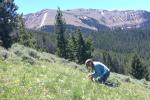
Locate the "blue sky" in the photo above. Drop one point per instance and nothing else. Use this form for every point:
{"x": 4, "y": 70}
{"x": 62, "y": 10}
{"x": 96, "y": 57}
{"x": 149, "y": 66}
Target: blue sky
{"x": 30, "y": 6}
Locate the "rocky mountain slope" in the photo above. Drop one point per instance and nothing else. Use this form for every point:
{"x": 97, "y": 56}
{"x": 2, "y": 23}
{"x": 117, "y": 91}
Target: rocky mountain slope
{"x": 92, "y": 19}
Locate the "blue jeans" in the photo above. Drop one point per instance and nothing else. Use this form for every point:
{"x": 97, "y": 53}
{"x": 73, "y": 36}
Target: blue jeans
{"x": 104, "y": 77}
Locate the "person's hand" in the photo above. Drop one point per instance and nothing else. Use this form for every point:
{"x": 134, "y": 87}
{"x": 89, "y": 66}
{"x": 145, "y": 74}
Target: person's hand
{"x": 90, "y": 76}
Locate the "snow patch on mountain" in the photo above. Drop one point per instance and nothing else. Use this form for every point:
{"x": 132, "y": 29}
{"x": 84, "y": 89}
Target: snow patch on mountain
{"x": 43, "y": 20}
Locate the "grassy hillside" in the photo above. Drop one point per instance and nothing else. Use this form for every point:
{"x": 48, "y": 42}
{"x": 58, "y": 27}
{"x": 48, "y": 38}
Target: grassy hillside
{"x": 26, "y": 74}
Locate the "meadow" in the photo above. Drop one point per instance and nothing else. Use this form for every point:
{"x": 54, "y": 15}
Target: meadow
{"x": 26, "y": 74}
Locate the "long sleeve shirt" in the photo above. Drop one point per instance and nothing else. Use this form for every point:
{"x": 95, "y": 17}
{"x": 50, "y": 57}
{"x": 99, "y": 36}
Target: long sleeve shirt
{"x": 99, "y": 69}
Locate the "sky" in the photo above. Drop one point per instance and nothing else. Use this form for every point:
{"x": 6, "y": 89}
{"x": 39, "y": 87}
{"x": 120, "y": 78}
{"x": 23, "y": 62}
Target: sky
{"x": 32, "y": 6}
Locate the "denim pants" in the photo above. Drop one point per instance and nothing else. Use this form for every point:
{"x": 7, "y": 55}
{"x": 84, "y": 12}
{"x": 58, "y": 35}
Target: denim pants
{"x": 104, "y": 77}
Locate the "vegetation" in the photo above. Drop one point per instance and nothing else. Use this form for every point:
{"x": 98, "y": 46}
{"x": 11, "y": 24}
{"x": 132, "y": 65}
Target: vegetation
{"x": 28, "y": 74}
{"x": 60, "y": 31}
{"x": 8, "y": 16}
{"x": 84, "y": 48}
{"x": 72, "y": 48}
{"x": 113, "y": 63}
{"x": 139, "y": 71}
{"x": 124, "y": 41}
{"x": 45, "y": 41}
{"x": 12, "y": 26}
{"x": 25, "y": 37}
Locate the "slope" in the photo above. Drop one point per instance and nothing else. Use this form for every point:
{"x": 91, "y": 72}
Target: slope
{"x": 30, "y": 75}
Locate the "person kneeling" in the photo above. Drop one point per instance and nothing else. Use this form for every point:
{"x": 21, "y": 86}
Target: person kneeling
{"x": 100, "y": 72}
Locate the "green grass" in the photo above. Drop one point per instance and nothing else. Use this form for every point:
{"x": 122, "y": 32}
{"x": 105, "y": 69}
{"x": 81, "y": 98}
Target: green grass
{"x": 43, "y": 76}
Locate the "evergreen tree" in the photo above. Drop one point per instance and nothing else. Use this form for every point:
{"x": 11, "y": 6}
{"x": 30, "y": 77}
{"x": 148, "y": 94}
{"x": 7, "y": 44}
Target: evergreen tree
{"x": 107, "y": 59}
{"x": 26, "y": 38}
{"x": 147, "y": 76}
{"x": 89, "y": 47}
{"x": 43, "y": 44}
{"x": 81, "y": 48}
{"x": 72, "y": 48}
{"x": 60, "y": 31}
{"x": 117, "y": 66}
{"x": 139, "y": 71}
{"x": 33, "y": 42}
{"x": 113, "y": 63}
{"x": 8, "y": 16}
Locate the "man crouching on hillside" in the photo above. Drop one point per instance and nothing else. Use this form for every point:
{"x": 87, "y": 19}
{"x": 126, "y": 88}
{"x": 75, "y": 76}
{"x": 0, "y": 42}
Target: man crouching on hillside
{"x": 100, "y": 72}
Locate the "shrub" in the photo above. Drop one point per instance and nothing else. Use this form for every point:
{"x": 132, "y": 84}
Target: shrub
{"x": 18, "y": 52}
{"x": 29, "y": 60}
{"x": 4, "y": 54}
{"x": 46, "y": 57}
{"x": 139, "y": 70}
{"x": 128, "y": 79}
{"x": 34, "y": 54}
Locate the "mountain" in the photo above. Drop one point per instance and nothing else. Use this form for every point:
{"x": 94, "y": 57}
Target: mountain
{"x": 26, "y": 74}
{"x": 92, "y": 19}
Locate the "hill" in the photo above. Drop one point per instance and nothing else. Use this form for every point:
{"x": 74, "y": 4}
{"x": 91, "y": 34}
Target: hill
{"x": 28, "y": 74}
{"x": 89, "y": 19}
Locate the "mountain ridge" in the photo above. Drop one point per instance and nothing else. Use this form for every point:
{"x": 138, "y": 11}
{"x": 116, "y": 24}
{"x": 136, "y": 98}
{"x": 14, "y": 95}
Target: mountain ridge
{"x": 93, "y": 19}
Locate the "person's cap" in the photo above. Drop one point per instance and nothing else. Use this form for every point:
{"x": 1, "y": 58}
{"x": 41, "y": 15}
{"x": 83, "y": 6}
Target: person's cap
{"x": 88, "y": 60}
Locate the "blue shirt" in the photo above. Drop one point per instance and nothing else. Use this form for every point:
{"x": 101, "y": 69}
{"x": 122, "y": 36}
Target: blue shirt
{"x": 99, "y": 69}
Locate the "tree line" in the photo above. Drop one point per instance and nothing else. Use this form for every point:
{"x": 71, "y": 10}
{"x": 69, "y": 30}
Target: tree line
{"x": 135, "y": 67}
{"x": 117, "y": 49}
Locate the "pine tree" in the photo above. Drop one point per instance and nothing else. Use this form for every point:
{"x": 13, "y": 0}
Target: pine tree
{"x": 33, "y": 42}
{"x": 26, "y": 38}
{"x": 72, "y": 48}
{"x": 117, "y": 66}
{"x": 8, "y": 23}
{"x": 89, "y": 47}
{"x": 60, "y": 31}
{"x": 81, "y": 48}
{"x": 138, "y": 71}
{"x": 147, "y": 76}
{"x": 107, "y": 59}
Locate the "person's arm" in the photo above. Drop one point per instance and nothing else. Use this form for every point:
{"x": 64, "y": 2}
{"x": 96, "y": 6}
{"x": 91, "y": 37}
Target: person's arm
{"x": 99, "y": 72}
{"x": 105, "y": 70}
{"x": 95, "y": 77}
{"x": 89, "y": 76}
